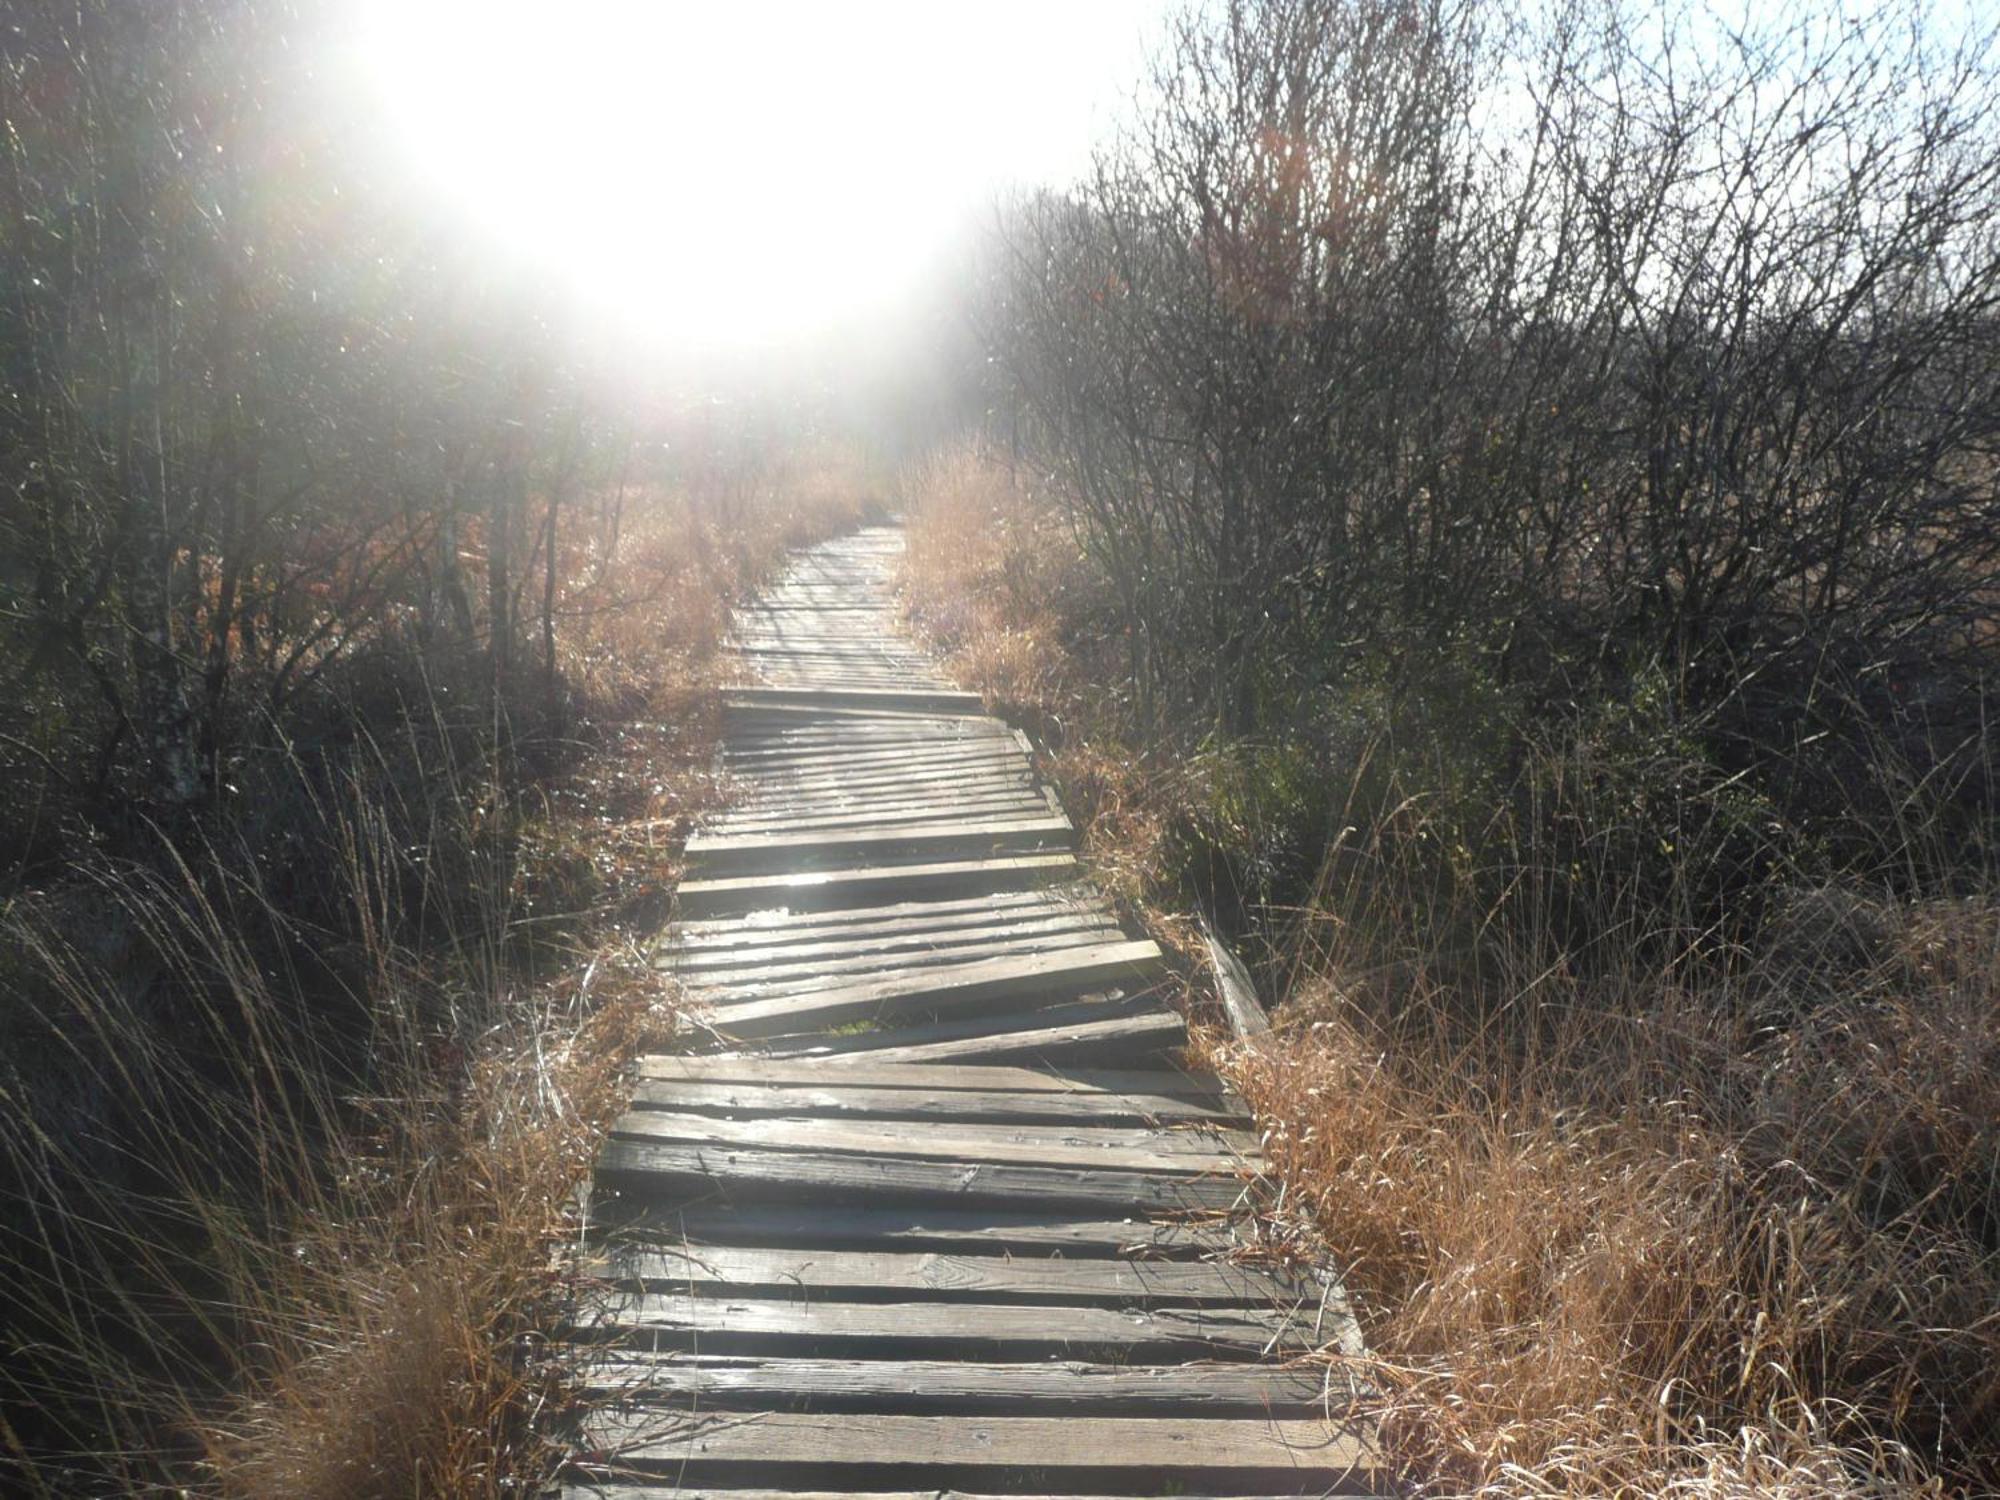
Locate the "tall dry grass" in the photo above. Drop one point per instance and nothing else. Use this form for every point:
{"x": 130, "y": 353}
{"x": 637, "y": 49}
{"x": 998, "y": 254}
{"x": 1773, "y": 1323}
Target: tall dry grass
{"x": 1634, "y": 1198}
{"x": 295, "y": 1116}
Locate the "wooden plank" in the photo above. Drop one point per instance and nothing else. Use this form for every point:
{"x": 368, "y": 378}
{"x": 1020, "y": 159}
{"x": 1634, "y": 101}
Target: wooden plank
{"x": 1072, "y": 1387}
{"x": 702, "y": 1448}
{"x": 862, "y": 1073}
{"x": 981, "y": 1330}
{"x": 768, "y": 792}
{"x": 1180, "y": 1152}
{"x": 754, "y": 1100}
{"x": 940, "y": 937}
{"x": 775, "y": 761}
{"x": 855, "y": 1274}
{"x": 1019, "y": 1039}
{"x": 778, "y": 715}
{"x": 879, "y": 1042}
{"x": 824, "y": 888}
{"x": 749, "y": 1173}
{"x": 966, "y": 731}
{"x": 612, "y": 1491}
{"x": 1239, "y": 993}
{"x": 991, "y": 807}
{"x": 950, "y": 988}
{"x": 753, "y": 853}
{"x": 953, "y": 1229}
{"x": 738, "y": 985}
{"x": 864, "y": 921}
{"x": 931, "y": 702}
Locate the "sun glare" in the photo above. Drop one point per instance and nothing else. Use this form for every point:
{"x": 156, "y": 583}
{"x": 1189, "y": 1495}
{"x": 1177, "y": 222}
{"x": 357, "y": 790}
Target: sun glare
{"x": 735, "y": 175}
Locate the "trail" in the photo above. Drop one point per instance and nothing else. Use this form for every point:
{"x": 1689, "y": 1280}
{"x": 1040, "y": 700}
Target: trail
{"x": 935, "y": 1209}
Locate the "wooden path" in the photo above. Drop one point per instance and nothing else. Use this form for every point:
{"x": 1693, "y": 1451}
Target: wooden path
{"x": 934, "y": 1210}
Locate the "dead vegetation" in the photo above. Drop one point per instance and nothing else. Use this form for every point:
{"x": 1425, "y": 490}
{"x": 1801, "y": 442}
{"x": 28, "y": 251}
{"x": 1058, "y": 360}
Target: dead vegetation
{"x": 296, "y": 1139}
{"x": 1672, "y": 1215}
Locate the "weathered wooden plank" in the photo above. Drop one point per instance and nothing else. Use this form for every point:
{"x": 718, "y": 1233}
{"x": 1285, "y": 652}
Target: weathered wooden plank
{"x": 775, "y": 761}
{"x": 1187, "y": 1152}
{"x": 764, "y": 927}
{"x": 1239, "y": 993}
{"x": 753, "y": 853}
{"x": 793, "y": 791}
{"x": 922, "y": 805}
{"x": 944, "y": 988}
{"x": 932, "y": 702}
{"x": 751, "y": 1100}
{"x": 864, "y": 1073}
{"x": 952, "y": 1229}
{"x": 857, "y": 1274}
{"x": 889, "y": 738}
{"x": 736, "y": 986}
{"x": 823, "y": 888}
{"x": 983, "y": 1330}
{"x": 893, "y": 945}
{"x": 990, "y": 807}
{"x": 1018, "y": 1038}
{"x": 1071, "y": 1387}
{"x": 750, "y": 1173}
{"x": 613, "y": 1491}
{"x": 702, "y": 1448}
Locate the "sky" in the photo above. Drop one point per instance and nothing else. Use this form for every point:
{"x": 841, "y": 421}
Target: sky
{"x": 727, "y": 175}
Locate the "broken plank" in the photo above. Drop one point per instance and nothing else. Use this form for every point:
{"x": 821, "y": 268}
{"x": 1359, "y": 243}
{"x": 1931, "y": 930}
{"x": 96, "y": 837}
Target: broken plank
{"x": 951, "y": 987}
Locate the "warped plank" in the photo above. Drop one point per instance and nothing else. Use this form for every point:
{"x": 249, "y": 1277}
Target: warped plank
{"x": 951, "y": 987}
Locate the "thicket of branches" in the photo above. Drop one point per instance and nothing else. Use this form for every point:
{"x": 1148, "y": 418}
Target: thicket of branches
{"x": 343, "y": 592}
{"x": 256, "y": 421}
{"x": 1598, "y": 349}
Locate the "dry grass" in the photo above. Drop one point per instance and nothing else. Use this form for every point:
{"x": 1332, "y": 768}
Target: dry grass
{"x": 1681, "y": 1226}
{"x": 330, "y": 1267}
{"x": 998, "y": 583}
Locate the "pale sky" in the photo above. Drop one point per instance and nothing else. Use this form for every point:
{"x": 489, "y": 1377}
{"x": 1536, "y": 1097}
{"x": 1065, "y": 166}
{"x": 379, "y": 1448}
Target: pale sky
{"x": 729, "y": 175}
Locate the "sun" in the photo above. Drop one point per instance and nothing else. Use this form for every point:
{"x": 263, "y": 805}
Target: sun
{"x": 734, "y": 175}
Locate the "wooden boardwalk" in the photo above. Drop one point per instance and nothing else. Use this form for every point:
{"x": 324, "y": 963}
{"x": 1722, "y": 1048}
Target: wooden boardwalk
{"x": 934, "y": 1210}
